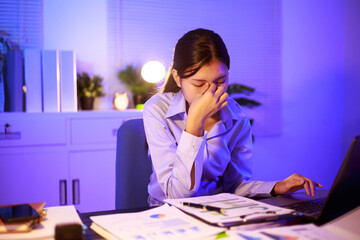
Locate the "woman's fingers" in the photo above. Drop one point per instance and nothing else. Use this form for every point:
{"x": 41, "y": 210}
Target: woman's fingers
{"x": 223, "y": 104}
{"x": 306, "y": 187}
{"x": 309, "y": 185}
{"x": 206, "y": 88}
{"x": 312, "y": 187}
{"x": 223, "y": 98}
{"x": 212, "y": 88}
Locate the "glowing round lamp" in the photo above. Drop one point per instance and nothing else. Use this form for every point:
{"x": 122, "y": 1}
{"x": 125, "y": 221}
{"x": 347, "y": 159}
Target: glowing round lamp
{"x": 153, "y": 71}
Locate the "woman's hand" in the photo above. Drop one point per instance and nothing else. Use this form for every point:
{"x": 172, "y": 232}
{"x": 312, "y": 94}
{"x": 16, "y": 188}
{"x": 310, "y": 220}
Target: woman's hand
{"x": 204, "y": 106}
{"x": 294, "y": 183}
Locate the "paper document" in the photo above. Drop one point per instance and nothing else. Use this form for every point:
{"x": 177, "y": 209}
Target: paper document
{"x": 46, "y": 228}
{"x": 163, "y": 222}
{"x": 297, "y": 232}
{"x": 233, "y": 209}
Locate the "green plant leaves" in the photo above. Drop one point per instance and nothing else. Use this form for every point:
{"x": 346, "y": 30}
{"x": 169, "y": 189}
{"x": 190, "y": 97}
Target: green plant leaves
{"x": 242, "y": 89}
{"x": 131, "y": 77}
{"x": 89, "y": 86}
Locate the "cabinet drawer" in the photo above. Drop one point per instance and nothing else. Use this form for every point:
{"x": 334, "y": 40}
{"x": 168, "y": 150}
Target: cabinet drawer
{"x": 94, "y": 130}
{"x": 32, "y": 131}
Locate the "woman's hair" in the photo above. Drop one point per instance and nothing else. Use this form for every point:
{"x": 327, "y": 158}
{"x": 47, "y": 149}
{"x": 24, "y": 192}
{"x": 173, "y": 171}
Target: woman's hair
{"x": 194, "y": 50}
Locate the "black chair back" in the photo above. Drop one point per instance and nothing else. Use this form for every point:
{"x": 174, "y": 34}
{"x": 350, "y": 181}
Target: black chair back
{"x": 133, "y": 166}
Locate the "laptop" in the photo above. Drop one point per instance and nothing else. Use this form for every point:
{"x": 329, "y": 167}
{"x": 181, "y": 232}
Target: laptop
{"x": 343, "y": 196}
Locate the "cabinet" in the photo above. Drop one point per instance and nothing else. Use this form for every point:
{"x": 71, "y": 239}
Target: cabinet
{"x": 60, "y": 158}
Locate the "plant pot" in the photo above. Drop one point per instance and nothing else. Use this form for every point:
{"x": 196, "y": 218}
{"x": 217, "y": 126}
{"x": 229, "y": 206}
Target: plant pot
{"x": 87, "y": 103}
{"x": 138, "y": 99}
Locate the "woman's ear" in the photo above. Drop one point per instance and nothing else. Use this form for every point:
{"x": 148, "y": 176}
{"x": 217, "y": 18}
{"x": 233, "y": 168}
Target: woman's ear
{"x": 176, "y": 77}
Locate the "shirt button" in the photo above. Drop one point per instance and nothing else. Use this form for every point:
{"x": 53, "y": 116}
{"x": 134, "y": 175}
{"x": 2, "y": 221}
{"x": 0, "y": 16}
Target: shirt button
{"x": 195, "y": 147}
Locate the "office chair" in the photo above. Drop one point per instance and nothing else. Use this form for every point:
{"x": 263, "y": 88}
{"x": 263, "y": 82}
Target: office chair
{"x": 133, "y": 166}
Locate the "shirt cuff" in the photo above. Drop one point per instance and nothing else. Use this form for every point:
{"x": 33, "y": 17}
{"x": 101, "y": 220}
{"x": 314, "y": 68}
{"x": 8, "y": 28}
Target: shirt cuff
{"x": 265, "y": 188}
{"x": 255, "y": 189}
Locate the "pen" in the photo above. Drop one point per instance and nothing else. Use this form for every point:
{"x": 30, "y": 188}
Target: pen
{"x": 206, "y": 208}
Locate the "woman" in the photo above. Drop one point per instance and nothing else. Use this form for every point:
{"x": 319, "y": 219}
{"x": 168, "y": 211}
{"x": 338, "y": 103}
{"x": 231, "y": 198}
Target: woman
{"x": 200, "y": 139}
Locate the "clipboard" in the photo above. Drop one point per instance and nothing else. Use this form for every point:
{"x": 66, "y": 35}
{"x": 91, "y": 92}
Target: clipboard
{"x": 226, "y": 210}
{"x": 25, "y": 226}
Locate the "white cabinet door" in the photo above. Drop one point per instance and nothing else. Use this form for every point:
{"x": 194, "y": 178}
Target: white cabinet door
{"x": 95, "y": 173}
{"x": 32, "y": 177}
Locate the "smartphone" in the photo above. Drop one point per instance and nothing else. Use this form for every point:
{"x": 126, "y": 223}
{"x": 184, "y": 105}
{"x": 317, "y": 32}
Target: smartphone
{"x": 18, "y": 213}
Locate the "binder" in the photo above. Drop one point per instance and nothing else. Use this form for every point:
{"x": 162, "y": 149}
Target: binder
{"x": 50, "y": 81}
{"x": 68, "y": 89}
{"x": 13, "y": 84}
{"x": 32, "y": 72}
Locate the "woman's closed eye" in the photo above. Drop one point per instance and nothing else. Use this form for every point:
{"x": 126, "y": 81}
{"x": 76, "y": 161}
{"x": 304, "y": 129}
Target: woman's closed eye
{"x": 220, "y": 82}
{"x": 198, "y": 84}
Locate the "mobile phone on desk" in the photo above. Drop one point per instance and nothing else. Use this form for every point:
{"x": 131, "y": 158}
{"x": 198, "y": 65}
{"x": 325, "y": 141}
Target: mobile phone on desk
{"x": 18, "y": 213}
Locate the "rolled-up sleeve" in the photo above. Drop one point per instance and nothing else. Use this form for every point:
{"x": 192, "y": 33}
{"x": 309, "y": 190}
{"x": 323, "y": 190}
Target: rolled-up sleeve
{"x": 172, "y": 161}
{"x": 239, "y": 170}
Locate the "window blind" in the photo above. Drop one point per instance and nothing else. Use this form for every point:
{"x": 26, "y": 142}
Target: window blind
{"x": 22, "y": 21}
{"x": 251, "y": 30}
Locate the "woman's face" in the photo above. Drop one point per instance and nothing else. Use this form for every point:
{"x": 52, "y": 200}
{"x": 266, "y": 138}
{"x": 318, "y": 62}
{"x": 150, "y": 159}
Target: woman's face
{"x": 215, "y": 72}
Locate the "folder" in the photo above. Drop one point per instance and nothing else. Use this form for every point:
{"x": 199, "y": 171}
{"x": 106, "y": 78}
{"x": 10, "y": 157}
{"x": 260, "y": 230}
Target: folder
{"x": 32, "y": 72}
{"x": 14, "y": 93}
{"x": 68, "y": 89}
{"x": 50, "y": 81}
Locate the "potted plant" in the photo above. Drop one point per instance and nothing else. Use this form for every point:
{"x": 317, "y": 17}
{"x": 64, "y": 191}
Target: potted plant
{"x": 235, "y": 88}
{"x": 237, "y": 92}
{"x": 88, "y": 88}
{"x": 140, "y": 89}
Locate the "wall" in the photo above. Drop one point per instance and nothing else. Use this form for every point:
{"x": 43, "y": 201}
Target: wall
{"x": 313, "y": 95}
{"x": 80, "y": 26}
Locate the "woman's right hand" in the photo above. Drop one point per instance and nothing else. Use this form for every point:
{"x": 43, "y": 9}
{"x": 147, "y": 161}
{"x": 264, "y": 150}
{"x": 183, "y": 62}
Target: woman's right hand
{"x": 204, "y": 106}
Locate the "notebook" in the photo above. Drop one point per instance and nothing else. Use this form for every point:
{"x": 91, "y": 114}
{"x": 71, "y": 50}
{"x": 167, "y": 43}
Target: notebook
{"x": 343, "y": 196}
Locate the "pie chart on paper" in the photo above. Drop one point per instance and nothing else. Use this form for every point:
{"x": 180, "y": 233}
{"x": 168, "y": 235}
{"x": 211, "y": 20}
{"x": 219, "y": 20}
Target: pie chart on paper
{"x": 158, "y": 216}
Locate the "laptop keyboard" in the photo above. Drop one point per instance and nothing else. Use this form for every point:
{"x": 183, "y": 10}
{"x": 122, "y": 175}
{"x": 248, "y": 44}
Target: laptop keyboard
{"x": 310, "y": 207}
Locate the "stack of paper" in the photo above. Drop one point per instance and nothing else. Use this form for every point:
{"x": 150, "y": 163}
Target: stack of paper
{"x": 297, "y": 232}
{"x": 235, "y": 209}
{"x": 163, "y": 222}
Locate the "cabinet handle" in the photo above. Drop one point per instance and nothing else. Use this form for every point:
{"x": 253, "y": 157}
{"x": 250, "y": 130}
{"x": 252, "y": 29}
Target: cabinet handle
{"x": 8, "y": 135}
{"x": 76, "y": 191}
{"x": 63, "y": 195}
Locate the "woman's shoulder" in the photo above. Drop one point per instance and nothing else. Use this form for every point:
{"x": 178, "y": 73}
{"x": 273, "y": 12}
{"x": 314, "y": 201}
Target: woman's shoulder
{"x": 159, "y": 103}
{"x": 235, "y": 108}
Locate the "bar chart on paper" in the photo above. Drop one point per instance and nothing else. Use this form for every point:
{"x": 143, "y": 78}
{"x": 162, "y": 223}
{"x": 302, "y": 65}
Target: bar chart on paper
{"x": 234, "y": 209}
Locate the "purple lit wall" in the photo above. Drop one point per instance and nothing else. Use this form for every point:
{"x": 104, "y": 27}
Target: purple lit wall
{"x": 320, "y": 84}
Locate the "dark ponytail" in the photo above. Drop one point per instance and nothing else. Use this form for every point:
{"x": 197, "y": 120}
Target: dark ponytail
{"x": 194, "y": 50}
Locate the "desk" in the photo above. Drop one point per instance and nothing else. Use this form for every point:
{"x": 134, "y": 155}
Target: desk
{"x": 90, "y": 234}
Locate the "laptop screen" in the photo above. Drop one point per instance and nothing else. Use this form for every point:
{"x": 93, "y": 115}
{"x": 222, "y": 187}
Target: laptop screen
{"x": 345, "y": 191}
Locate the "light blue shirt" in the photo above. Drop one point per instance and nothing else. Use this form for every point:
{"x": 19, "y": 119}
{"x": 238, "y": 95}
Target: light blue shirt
{"x": 222, "y": 156}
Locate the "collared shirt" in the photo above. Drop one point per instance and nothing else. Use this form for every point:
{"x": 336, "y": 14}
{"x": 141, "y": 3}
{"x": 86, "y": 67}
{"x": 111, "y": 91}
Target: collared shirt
{"x": 222, "y": 157}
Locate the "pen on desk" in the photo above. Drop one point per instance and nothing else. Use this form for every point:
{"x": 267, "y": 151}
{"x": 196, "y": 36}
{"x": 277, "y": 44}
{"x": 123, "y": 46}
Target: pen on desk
{"x": 206, "y": 208}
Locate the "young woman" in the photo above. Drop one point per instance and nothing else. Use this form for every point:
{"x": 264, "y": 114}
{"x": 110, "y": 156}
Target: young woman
{"x": 200, "y": 139}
